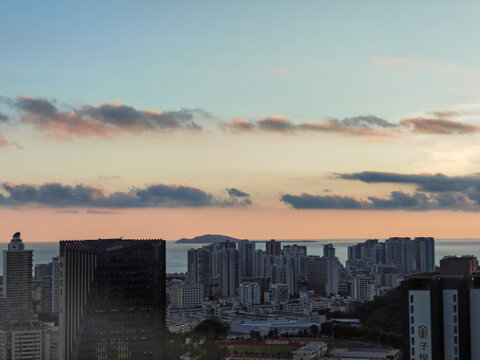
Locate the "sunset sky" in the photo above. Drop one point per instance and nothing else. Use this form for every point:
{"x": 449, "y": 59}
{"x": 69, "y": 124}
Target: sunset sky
{"x": 254, "y": 119}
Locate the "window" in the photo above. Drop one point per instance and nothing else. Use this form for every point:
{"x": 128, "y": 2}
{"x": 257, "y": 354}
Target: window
{"x": 454, "y": 319}
{"x": 411, "y": 309}
{"x": 411, "y": 299}
{"x": 411, "y": 320}
{"x": 454, "y": 298}
{"x": 454, "y": 308}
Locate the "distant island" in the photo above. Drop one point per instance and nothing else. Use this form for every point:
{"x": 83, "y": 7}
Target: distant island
{"x": 212, "y": 239}
{"x": 207, "y": 239}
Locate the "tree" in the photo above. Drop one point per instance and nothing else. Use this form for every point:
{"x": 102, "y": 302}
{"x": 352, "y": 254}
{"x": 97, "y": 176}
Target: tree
{"x": 256, "y": 336}
{"x": 314, "y": 330}
{"x": 212, "y": 329}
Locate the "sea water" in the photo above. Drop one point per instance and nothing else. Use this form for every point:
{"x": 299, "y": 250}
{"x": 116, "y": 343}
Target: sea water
{"x": 176, "y": 255}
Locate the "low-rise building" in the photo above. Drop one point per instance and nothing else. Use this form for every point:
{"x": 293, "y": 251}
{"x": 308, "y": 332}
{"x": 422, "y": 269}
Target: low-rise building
{"x": 284, "y": 325}
{"x": 22, "y": 337}
{"x": 186, "y": 296}
{"x": 365, "y": 354}
{"x": 249, "y": 293}
{"x": 311, "y": 351}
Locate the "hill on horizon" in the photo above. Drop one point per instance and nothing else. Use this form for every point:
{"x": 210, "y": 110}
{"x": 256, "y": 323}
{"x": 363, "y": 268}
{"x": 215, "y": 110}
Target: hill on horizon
{"x": 207, "y": 239}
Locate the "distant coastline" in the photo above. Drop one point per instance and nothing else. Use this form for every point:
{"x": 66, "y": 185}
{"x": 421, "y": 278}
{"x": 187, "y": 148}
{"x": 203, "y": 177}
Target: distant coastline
{"x": 212, "y": 239}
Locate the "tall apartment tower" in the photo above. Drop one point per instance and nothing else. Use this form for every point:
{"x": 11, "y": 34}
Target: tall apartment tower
{"x": 246, "y": 251}
{"x": 17, "y": 274}
{"x": 112, "y": 299}
{"x": 323, "y": 275}
{"x": 199, "y": 268}
{"x": 273, "y": 248}
{"x": 424, "y": 253}
{"x": 229, "y": 272}
{"x": 47, "y": 275}
{"x": 328, "y": 251}
{"x": 400, "y": 252}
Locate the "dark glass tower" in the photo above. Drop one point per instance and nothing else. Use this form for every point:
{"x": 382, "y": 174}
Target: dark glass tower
{"x": 112, "y": 299}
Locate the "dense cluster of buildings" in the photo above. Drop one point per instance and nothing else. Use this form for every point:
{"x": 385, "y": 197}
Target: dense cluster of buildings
{"x": 244, "y": 285}
{"x": 277, "y": 274}
{"x": 99, "y": 299}
{"x": 107, "y": 298}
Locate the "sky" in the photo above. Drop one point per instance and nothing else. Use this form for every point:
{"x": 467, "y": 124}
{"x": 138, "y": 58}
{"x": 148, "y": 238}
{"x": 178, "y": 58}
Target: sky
{"x": 254, "y": 119}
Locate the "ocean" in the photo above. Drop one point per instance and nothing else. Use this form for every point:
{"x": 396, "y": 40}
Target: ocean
{"x": 177, "y": 253}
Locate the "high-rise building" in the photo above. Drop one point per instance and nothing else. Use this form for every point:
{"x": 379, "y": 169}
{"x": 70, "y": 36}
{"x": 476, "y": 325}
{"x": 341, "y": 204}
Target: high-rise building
{"x": 199, "y": 268}
{"x": 47, "y": 276}
{"x": 260, "y": 263}
{"x": 400, "y": 252}
{"x": 441, "y": 316}
{"x": 112, "y": 299}
{"x": 273, "y": 248}
{"x": 424, "y": 253}
{"x": 17, "y": 274}
{"x": 323, "y": 275}
{"x": 184, "y": 296}
{"x": 328, "y": 251}
{"x": 246, "y": 250}
{"x": 229, "y": 272}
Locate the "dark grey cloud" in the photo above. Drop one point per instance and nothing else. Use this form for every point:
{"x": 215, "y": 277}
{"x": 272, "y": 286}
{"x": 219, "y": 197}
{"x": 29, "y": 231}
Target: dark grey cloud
{"x": 103, "y": 120}
{"x": 366, "y": 125}
{"x": 37, "y": 106}
{"x": 157, "y": 195}
{"x": 3, "y": 118}
{"x": 276, "y": 124}
{"x": 432, "y": 192}
{"x": 367, "y": 121}
{"x": 396, "y": 200}
{"x": 238, "y": 197}
{"x": 308, "y": 201}
{"x": 424, "y": 182}
{"x": 125, "y": 116}
{"x": 236, "y": 193}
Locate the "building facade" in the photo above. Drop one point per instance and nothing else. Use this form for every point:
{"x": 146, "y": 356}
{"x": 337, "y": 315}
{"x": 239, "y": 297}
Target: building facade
{"x": 184, "y": 296}
{"x": 17, "y": 274}
{"x": 112, "y": 299}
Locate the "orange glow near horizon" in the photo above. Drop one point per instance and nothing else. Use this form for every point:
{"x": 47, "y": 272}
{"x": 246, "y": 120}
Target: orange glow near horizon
{"x": 255, "y": 224}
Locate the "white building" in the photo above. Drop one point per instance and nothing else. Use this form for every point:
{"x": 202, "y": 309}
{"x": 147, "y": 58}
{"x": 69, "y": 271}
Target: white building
{"x": 279, "y": 293}
{"x": 284, "y": 325}
{"x": 249, "y": 293}
{"x": 363, "y": 287}
{"x": 311, "y": 351}
{"x": 186, "y": 296}
{"x": 22, "y": 337}
{"x": 365, "y": 354}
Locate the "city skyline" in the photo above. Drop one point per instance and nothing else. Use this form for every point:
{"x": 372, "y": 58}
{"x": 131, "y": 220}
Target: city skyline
{"x": 255, "y": 120}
